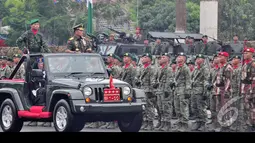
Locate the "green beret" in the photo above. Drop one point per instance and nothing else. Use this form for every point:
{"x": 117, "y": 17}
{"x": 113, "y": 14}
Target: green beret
{"x": 10, "y": 59}
{"x": 236, "y": 57}
{"x": 147, "y": 55}
{"x": 181, "y": 54}
{"x": 128, "y": 55}
{"x": 78, "y": 27}
{"x": 191, "y": 62}
{"x": 17, "y": 56}
{"x": 200, "y": 56}
{"x": 33, "y": 21}
{"x": 165, "y": 54}
{"x": 3, "y": 58}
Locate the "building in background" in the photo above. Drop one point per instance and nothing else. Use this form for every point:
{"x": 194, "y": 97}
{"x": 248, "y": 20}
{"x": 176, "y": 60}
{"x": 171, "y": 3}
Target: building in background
{"x": 209, "y": 18}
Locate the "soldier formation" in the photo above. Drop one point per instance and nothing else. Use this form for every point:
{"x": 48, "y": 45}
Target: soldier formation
{"x": 174, "y": 89}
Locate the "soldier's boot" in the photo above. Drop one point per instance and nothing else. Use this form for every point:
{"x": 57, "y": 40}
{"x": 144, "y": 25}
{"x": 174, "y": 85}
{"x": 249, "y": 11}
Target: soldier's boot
{"x": 202, "y": 127}
{"x": 177, "y": 126}
{"x": 167, "y": 127}
{"x": 161, "y": 126}
{"x": 149, "y": 126}
{"x": 32, "y": 124}
{"x": 110, "y": 126}
{"x": 101, "y": 124}
{"x": 105, "y": 125}
{"x": 158, "y": 125}
{"x": 144, "y": 125}
{"x": 195, "y": 126}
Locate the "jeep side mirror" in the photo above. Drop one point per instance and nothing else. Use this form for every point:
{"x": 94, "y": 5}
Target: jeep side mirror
{"x": 37, "y": 73}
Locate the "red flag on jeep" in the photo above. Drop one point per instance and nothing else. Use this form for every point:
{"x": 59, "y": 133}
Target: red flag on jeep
{"x": 111, "y": 83}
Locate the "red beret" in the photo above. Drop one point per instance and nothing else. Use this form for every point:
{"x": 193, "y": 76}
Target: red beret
{"x": 225, "y": 54}
{"x": 249, "y": 50}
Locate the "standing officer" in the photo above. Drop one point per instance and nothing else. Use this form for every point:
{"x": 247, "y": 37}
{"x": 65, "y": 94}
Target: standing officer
{"x": 182, "y": 84}
{"x": 247, "y": 88}
{"x": 128, "y": 69}
{"x": 144, "y": 79}
{"x": 161, "y": 82}
{"x": 235, "y": 86}
{"x": 200, "y": 84}
{"x": 33, "y": 40}
{"x": 224, "y": 81}
{"x": 78, "y": 43}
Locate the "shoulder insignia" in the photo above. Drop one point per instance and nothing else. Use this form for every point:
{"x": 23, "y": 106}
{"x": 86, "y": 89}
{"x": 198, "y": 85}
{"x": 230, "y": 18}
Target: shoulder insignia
{"x": 70, "y": 38}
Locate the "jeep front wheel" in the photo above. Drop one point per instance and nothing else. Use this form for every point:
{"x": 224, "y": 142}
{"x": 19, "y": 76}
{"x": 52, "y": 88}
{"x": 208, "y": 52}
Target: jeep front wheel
{"x": 9, "y": 121}
{"x": 131, "y": 123}
{"x": 64, "y": 120}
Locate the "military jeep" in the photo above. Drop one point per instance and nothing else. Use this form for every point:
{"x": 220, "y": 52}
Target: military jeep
{"x": 74, "y": 89}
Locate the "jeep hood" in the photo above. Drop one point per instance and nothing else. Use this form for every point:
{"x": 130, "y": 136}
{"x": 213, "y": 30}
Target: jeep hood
{"x": 88, "y": 81}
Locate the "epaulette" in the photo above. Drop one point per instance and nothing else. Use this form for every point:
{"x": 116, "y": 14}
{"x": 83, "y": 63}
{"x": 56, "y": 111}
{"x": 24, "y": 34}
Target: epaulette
{"x": 71, "y": 38}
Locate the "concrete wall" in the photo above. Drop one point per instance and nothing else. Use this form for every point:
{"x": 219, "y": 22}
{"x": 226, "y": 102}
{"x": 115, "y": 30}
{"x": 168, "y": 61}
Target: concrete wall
{"x": 209, "y": 18}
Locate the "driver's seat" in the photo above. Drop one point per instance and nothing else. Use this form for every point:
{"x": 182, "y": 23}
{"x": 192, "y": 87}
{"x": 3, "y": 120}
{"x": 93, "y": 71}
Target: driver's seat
{"x": 38, "y": 87}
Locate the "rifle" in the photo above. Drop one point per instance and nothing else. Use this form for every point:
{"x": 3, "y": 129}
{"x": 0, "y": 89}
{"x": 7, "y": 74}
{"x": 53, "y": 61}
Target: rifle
{"x": 122, "y": 34}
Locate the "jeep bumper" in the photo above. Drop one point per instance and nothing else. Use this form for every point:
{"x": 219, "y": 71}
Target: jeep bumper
{"x": 109, "y": 108}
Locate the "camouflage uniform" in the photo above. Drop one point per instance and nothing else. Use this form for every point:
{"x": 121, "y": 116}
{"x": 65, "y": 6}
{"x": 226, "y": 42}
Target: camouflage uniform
{"x": 129, "y": 72}
{"x": 161, "y": 82}
{"x": 223, "y": 83}
{"x": 182, "y": 95}
{"x": 20, "y": 74}
{"x": 5, "y": 70}
{"x": 235, "y": 86}
{"x": 34, "y": 43}
{"x": 248, "y": 90}
{"x": 145, "y": 79}
{"x": 200, "y": 82}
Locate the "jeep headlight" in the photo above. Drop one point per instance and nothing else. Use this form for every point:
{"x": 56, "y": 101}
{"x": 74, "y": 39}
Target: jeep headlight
{"x": 87, "y": 91}
{"x": 126, "y": 90}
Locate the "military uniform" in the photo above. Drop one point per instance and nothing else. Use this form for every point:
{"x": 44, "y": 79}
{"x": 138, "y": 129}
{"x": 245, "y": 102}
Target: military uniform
{"x": 129, "y": 72}
{"x": 182, "y": 95}
{"x": 161, "y": 82}
{"x": 79, "y": 44}
{"x": 5, "y": 70}
{"x": 247, "y": 91}
{"x": 20, "y": 74}
{"x": 145, "y": 79}
{"x": 200, "y": 82}
{"x": 33, "y": 42}
{"x": 223, "y": 83}
{"x": 174, "y": 116}
{"x": 235, "y": 86}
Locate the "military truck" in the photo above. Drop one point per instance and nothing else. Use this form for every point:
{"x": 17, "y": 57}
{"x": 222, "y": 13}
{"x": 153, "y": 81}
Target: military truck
{"x": 70, "y": 90}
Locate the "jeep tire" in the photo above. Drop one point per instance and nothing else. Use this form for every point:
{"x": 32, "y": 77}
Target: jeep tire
{"x": 132, "y": 123}
{"x": 9, "y": 120}
{"x": 64, "y": 120}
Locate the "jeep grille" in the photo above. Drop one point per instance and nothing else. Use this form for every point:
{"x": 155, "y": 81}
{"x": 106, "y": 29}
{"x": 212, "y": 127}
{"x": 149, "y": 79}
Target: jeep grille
{"x": 99, "y": 94}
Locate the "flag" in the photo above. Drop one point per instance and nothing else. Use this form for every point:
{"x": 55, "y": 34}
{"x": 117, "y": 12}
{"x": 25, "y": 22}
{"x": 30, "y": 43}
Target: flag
{"x": 90, "y": 16}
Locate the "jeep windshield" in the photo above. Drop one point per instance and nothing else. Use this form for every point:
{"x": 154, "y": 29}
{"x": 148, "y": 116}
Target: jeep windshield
{"x": 76, "y": 65}
{"x": 107, "y": 49}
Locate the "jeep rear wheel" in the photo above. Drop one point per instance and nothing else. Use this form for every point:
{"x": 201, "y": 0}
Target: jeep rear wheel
{"x": 64, "y": 120}
{"x": 131, "y": 124}
{"x": 9, "y": 121}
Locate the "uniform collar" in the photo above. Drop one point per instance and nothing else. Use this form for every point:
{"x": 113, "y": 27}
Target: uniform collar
{"x": 247, "y": 61}
{"x": 235, "y": 66}
{"x": 127, "y": 65}
{"x": 110, "y": 65}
